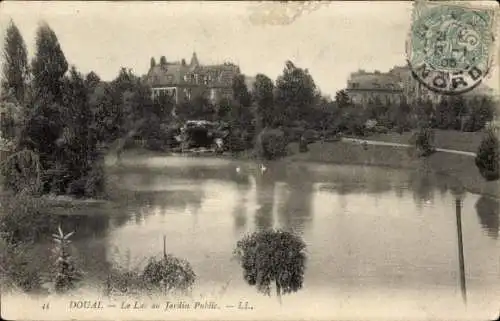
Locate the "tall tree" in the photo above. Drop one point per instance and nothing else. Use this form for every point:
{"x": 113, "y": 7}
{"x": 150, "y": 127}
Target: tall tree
{"x": 342, "y": 99}
{"x": 263, "y": 97}
{"x": 163, "y": 61}
{"x": 49, "y": 64}
{"x": 152, "y": 63}
{"x": 240, "y": 91}
{"x": 92, "y": 80}
{"x": 78, "y": 139}
{"x": 445, "y": 117}
{"x": 45, "y": 122}
{"x": 15, "y": 63}
{"x": 295, "y": 92}
{"x": 459, "y": 112}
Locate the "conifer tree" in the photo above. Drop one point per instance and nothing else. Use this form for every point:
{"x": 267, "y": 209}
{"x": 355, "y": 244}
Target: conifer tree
{"x": 49, "y": 65}
{"x": 15, "y": 63}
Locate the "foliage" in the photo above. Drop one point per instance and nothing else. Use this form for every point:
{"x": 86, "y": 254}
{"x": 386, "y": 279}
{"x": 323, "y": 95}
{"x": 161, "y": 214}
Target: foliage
{"x": 342, "y": 99}
{"x": 24, "y": 218}
{"x": 488, "y": 157}
{"x": 15, "y": 63}
{"x": 49, "y": 64}
{"x": 197, "y": 108}
{"x": 240, "y": 91}
{"x": 106, "y": 114}
{"x": 271, "y": 144}
{"x": 353, "y": 121}
{"x": 295, "y": 93}
{"x": 92, "y": 80}
{"x": 481, "y": 111}
{"x": 424, "y": 141}
{"x": 22, "y": 172}
{"x": 16, "y": 268}
{"x": 271, "y": 256}
{"x": 169, "y": 274}
{"x": 66, "y": 272}
{"x": 263, "y": 96}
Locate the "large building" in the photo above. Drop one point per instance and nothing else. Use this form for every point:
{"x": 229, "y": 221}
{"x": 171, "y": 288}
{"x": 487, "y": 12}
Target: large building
{"x": 184, "y": 81}
{"x": 364, "y": 86}
{"x": 396, "y": 84}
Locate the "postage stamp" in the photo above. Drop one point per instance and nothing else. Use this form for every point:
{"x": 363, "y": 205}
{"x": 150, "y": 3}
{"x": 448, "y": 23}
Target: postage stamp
{"x": 450, "y": 47}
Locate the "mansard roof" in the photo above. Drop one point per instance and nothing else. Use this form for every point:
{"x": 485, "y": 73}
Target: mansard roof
{"x": 174, "y": 74}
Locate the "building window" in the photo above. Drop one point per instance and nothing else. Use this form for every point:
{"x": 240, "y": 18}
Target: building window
{"x": 213, "y": 94}
{"x": 187, "y": 93}
{"x": 355, "y": 85}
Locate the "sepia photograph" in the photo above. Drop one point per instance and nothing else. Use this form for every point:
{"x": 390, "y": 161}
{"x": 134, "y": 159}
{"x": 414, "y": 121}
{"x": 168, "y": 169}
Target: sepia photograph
{"x": 249, "y": 160}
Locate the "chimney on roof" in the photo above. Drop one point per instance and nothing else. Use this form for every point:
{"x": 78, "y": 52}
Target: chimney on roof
{"x": 163, "y": 61}
{"x": 194, "y": 60}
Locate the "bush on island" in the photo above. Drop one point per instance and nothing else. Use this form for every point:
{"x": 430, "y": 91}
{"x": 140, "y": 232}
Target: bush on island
{"x": 272, "y": 258}
{"x": 169, "y": 274}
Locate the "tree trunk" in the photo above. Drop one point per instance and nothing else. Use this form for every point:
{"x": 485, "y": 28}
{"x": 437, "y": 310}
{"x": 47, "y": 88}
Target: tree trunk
{"x": 278, "y": 291}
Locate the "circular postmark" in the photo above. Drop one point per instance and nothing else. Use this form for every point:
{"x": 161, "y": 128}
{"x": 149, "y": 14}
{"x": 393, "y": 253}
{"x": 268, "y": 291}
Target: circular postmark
{"x": 449, "y": 49}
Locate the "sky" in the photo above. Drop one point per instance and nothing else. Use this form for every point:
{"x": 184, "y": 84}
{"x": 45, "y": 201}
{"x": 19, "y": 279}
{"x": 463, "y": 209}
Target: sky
{"x": 331, "y": 42}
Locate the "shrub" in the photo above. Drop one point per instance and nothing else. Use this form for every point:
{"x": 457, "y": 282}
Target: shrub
{"x": 24, "y": 218}
{"x": 124, "y": 278}
{"x": 487, "y": 158}
{"x": 120, "y": 281}
{"x": 169, "y": 274}
{"x": 22, "y": 172}
{"x": 272, "y": 256}
{"x": 271, "y": 144}
{"x": 380, "y": 129}
{"x": 16, "y": 268}
{"x": 424, "y": 141}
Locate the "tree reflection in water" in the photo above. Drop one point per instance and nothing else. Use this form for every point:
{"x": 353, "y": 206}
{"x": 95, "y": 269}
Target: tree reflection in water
{"x": 265, "y": 201}
{"x": 240, "y": 210}
{"x": 423, "y": 184}
{"x": 295, "y": 213}
{"x": 487, "y": 210}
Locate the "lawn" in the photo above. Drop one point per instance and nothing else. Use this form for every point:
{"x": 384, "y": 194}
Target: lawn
{"x": 461, "y": 168}
{"x": 448, "y": 139}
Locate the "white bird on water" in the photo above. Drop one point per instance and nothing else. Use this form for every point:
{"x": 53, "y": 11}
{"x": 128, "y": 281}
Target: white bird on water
{"x": 263, "y": 168}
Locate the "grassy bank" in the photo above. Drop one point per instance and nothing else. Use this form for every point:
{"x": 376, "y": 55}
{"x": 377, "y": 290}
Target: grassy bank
{"x": 460, "y": 169}
{"x": 447, "y": 139}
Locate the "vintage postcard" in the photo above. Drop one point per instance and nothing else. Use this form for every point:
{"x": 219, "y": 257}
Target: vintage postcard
{"x": 282, "y": 160}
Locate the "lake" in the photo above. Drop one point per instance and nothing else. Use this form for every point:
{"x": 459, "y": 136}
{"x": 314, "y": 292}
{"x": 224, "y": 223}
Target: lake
{"x": 383, "y": 239}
